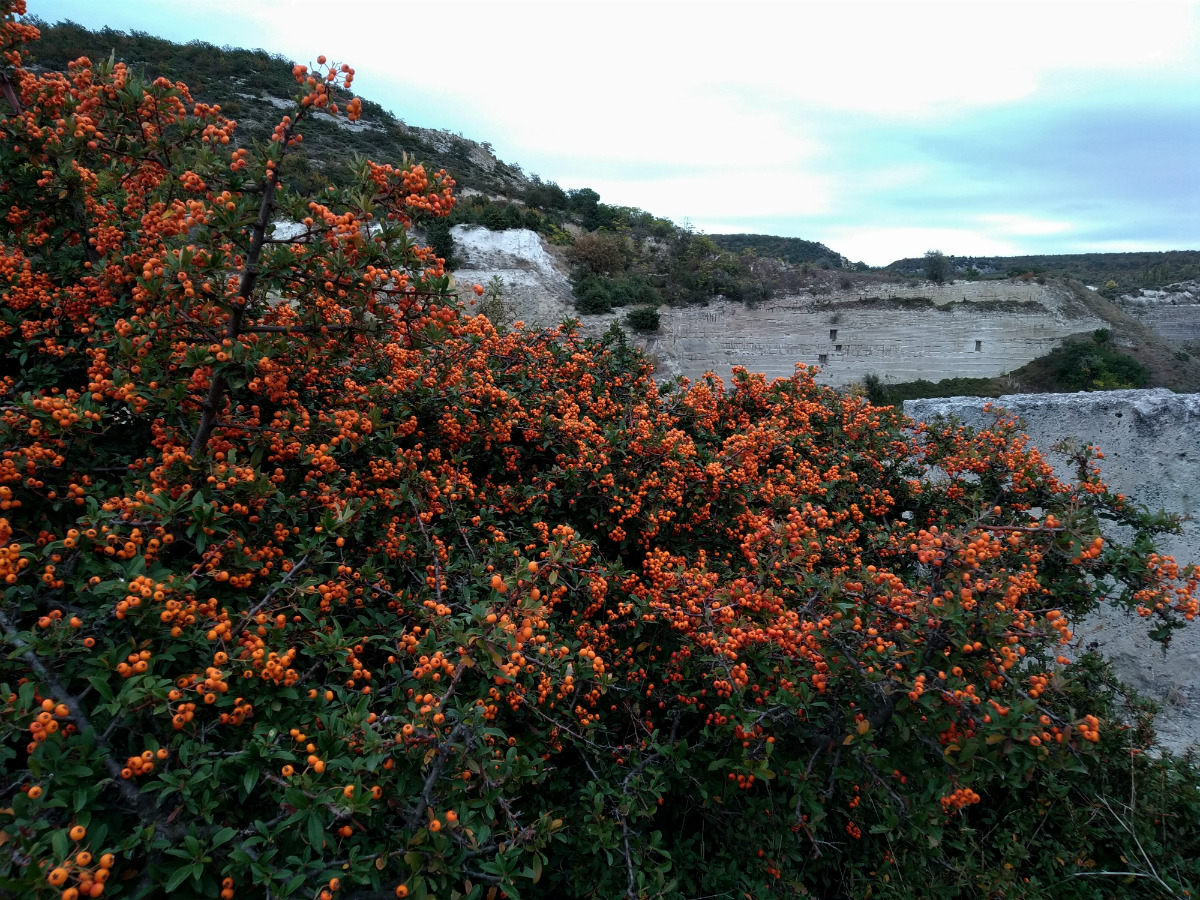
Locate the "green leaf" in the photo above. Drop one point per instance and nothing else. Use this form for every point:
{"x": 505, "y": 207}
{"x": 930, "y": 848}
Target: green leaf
{"x": 102, "y": 687}
{"x": 316, "y": 832}
{"x": 182, "y": 874}
{"x": 293, "y": 885}
{"x": 222, "y": 836}
{"x": 59, "y": 844}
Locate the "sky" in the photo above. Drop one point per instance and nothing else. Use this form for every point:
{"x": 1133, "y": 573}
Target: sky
{"x": 882, "y": 130}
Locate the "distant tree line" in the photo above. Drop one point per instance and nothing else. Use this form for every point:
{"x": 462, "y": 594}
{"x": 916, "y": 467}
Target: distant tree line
{"x": 1125, "y": 271}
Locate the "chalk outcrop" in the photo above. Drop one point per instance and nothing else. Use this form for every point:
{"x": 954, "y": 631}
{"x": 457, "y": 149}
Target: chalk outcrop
{"x": 1151, "y": 443}
{"x": 536, "y": 289}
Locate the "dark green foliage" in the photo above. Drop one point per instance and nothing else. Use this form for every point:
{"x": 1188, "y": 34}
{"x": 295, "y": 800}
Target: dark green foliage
{"x": 1126, "y": 271}
{"x": 788, "y": 249}
{"x": 442, "y": 241}
{"x": 632, "y": 291}
{"x": 593, "y": 296}
{"x": 545, "y": 195}
{"x": 644, "y": 319}
{"x": 598, "y": 294}
{"x": 1095, "y": 366}
{"x": 937, "y": 266}
{"x": 882, "y": 394}
{"x": 585, "y": 203}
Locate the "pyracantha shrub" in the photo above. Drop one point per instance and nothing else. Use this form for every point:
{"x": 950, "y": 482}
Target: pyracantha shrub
{"x": 316, "y": 585}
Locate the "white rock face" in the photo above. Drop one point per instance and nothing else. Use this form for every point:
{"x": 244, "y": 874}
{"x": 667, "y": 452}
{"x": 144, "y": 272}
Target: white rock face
{"x": 1151, "y": 443}
{"x": 1174, "y": 311}
{"x": 897, "y": 332}
{"x": 536, "y": 288}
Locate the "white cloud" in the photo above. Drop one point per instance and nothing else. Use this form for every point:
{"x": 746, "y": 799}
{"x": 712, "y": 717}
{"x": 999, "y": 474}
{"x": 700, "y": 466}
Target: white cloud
{"x": 880, "y": 246}
{"x": 1019, "y": 225}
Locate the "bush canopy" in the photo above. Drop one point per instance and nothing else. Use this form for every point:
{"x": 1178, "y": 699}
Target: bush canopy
{"x": 316, "y": 585}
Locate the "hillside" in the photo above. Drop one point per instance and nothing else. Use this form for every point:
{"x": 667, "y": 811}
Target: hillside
{"x": 330, "y": 142}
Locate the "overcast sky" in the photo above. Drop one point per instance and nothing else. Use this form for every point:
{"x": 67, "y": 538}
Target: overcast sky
{"x": 881, "y": 130}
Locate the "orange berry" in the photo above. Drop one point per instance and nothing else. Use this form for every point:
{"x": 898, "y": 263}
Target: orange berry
{"x": 78, "y": 833}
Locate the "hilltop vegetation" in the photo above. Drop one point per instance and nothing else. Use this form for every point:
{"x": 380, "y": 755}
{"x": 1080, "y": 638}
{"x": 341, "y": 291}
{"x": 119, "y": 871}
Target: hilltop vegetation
{"x": 790, "y": 250}
{"x": 1112, "y": 273}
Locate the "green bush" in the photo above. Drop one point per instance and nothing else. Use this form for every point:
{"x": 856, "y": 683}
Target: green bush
{"x": 442, "y": 241}
{"x": 1095, "y": 366}
{"x": 885, "y": 394}
{"x": 593, "y": 296}
{"x": 937, "y": 266}
{"x": 644, "y": 319}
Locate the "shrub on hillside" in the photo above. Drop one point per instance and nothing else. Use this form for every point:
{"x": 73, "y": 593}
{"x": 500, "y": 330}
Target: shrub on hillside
{"x": 1095, "y": 365}
{"x": 317, "y": 586}
{"x": 644, "y": 319}
{"x": 895, "y": 393}
{"x": 441, "y": 241}
{"x": 600, "y": 253}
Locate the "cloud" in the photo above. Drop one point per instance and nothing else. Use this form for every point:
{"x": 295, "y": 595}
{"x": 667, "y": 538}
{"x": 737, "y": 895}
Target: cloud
{"x": 1020, "y": 225}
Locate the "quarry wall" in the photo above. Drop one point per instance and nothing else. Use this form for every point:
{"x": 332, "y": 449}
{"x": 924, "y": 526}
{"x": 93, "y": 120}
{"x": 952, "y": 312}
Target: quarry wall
{"x": 899, "y": 332}
{"x": 896, "y": 332}
{"x": 1151, "y": 442}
